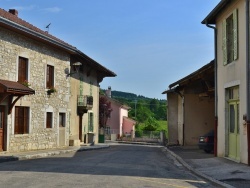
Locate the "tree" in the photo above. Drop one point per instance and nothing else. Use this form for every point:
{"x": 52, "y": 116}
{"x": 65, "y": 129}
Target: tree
{"x": 150, "y": 124}
{"x": 104, "y": 111}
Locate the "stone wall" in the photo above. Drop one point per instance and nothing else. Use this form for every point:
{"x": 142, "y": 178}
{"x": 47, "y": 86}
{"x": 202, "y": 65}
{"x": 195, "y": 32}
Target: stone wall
{"x": 12, "y": 46}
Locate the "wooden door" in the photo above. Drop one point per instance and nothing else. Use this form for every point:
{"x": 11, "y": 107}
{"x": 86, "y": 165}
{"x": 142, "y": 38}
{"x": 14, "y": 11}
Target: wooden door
{"x": 2, "y": 114}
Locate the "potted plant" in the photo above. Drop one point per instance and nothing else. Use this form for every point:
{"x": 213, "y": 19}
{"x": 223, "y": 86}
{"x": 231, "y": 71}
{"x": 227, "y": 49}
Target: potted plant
{"x": 26, "y": 83}
{"x": 51, "y": 90}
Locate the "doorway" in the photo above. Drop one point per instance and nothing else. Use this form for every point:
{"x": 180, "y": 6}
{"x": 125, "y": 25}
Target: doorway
{"x": 233, "y": 124}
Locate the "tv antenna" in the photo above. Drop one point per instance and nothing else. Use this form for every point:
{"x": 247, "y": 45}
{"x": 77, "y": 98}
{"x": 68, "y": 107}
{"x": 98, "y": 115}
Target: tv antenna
{"x": 47, "y": 27}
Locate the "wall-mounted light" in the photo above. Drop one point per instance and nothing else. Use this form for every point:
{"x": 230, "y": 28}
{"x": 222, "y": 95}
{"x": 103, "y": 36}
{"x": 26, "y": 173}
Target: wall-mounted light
{"x": 76, "y": 66}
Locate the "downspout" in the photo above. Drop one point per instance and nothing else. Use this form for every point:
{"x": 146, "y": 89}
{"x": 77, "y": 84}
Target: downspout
{"x": 248, "y": 80}
{"x": 215, "y": 89}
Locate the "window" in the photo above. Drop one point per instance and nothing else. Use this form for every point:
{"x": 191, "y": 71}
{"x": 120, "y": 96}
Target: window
{"x": 49, "y": 119}
{"x": 21, "y": 120}
{"x": 230, "y": 38}
{"x": 91, "y": 122}
{"x": 50, "y": 77}
{"x": 22, "y": 69}
{"x": 61, "y": 119}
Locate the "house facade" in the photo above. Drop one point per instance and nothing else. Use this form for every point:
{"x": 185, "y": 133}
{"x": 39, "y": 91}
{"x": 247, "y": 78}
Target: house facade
{"x": 37, "y": 91}
{"x": 230, "y": 21}
{"x": 119, "y": 124}
{"x": 191, "y": 107}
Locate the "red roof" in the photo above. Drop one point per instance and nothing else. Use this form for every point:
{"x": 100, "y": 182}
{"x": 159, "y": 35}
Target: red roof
{"x": 17, "y": 20}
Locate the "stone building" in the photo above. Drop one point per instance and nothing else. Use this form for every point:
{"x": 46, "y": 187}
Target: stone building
{"x": 39, "y": 88}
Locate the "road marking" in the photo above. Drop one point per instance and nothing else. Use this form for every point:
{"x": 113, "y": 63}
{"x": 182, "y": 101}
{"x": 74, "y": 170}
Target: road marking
{"x": 163, "y": 183}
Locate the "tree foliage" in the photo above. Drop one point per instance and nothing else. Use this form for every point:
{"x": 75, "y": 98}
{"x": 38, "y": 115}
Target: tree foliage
{"x": 104, "y": 111}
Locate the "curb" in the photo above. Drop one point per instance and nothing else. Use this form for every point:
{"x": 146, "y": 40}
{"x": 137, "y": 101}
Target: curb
{"x": 44, "y": 154}
{"x": 198, "y": 173}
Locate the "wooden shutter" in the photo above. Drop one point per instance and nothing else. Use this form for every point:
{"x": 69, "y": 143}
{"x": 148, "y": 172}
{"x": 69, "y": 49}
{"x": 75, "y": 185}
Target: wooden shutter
{"x": 21, "y": 120}
{"x": 50, "y": 76}
{"x": 235, "y": 33}
{"x": 49, "y": 120}
{"x": 16, "y": 120}
{"x": 25, "y": 120}
{"x": 224, "y": 41}
{"x": 22, "y": 69}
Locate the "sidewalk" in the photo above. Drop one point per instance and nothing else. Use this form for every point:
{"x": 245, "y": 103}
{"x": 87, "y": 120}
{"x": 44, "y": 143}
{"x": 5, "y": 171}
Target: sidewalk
{"x": 9, "y": 156}
{"x": 221, "y": 171}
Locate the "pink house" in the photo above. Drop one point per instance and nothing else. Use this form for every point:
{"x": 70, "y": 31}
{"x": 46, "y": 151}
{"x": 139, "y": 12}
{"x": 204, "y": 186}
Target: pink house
{"x": 119, "y": 123}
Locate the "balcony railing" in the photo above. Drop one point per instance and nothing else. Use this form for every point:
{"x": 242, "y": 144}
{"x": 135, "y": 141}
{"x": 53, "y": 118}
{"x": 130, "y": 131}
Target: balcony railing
{"x": 84, "y": 103}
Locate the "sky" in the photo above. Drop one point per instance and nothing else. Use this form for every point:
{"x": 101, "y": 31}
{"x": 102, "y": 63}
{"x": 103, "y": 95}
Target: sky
{"x": 149, "y": 44}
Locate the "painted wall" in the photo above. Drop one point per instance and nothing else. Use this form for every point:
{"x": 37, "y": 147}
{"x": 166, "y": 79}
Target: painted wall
{"x": 172, "y": 99}
{"x": 199, "y": 118}
{"x": 114, "y": 121}
{"x": 233, "y": 74}
{"x": 84, "y": 85}
{"x": 180, "y": 119}
{"x": 128, "y": 126}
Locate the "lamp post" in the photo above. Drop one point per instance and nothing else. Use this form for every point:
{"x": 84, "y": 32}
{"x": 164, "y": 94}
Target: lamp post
{"x": 76, "y": 65}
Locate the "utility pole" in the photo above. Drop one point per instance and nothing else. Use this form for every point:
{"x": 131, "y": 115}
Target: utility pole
{"x": 135, "y": 107}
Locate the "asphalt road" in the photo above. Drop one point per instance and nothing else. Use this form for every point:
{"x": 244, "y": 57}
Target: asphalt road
{"x": 128, "y": 166}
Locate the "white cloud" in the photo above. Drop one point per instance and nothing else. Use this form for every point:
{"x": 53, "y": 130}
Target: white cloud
{"x": 53, "y": 9}
{"x": 31, "y": 7}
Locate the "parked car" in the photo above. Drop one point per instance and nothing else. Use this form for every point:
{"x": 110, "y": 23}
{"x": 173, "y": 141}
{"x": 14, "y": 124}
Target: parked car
{"x": 206, "y": 142}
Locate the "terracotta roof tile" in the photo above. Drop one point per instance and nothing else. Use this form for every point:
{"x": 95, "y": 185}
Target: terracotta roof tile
{"x": 17, "y": 20}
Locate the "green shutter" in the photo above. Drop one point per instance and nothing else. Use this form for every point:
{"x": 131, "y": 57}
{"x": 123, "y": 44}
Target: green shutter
{"x": 88, "y": 122}
{"x": 235, "y": 33}
{"x": 224, "y": 41}
{"x": 91, "y": 121}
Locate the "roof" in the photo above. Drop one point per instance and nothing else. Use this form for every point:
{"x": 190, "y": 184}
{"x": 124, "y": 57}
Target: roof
{"x": 210, "y": 19}
{"x": 129, "y": 119}
{"x": 190, "y": 76}
{"x": 14, "y": 23}
{"x": 199, "y": 71}
{"x": 15, "y": 88}
{"x": 118, "y": 103}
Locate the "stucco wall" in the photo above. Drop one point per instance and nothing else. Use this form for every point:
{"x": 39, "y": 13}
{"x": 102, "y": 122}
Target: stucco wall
{"x": 114, "y": 121}
{"x": 12, "y": 46}
{"x": 172, "y": 99}
{"x": 233, "y": 74}
{"x": 199, "y": 118}
{"x": 88, "y": 86}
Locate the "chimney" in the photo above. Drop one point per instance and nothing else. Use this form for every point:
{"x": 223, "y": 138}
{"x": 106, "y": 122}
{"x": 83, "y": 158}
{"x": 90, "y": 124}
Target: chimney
{"x": 13, "y": 11}
{"x": 108, "y": 92}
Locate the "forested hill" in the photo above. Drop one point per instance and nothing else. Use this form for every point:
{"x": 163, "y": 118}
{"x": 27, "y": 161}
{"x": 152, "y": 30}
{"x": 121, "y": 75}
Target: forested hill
{"x": 129, "y": 96}
{"x": 141, "y": 107}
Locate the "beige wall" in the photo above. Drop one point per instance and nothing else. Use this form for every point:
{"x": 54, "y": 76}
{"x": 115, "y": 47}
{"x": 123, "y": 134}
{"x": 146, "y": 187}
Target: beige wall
{"x": 89, "y": 87}
{"x": 233, "y": 74}
{"x": 180, "y": 119}
{"x": 12, "y": 46}
{"x": 172, "y": 99}
{"x": 199, "y": 118}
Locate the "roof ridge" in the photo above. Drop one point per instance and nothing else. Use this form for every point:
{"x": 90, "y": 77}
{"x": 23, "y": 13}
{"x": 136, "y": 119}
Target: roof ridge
{"x": 7, "y": 15}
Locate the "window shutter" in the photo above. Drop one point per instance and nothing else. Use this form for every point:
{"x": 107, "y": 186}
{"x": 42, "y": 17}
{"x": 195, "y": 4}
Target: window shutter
{"x": 92, "y": 122}
{"x": 88, "y": 122}
{"x": 224, "y": 41}
{"x": 235, "y": 33}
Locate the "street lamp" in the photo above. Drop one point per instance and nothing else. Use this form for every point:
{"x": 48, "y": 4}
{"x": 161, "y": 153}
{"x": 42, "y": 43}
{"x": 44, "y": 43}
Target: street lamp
{"x": 76, "y": 66}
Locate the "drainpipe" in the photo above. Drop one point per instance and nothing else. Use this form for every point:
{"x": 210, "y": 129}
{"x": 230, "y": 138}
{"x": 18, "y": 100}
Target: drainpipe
{"x": 215, "y": 89}
{"x": 248, "y": 80}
